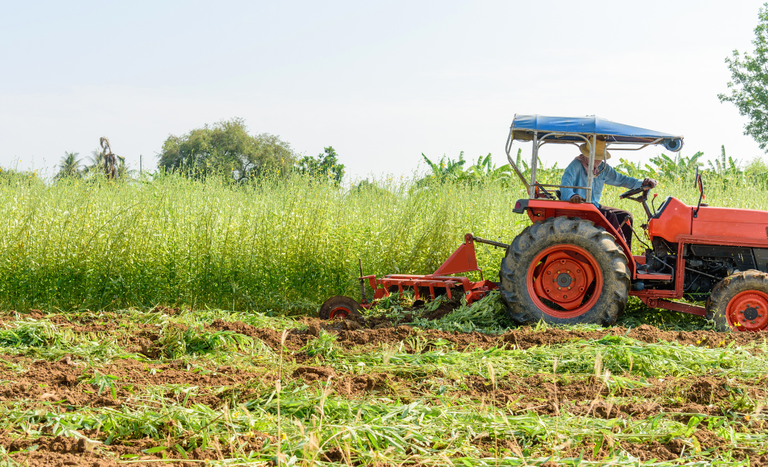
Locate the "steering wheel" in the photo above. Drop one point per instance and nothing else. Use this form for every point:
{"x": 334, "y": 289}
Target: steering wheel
{"x": 628, "y": 194}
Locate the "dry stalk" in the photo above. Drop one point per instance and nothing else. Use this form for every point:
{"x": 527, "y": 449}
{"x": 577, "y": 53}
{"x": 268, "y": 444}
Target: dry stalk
{"x": 279, "y": 388}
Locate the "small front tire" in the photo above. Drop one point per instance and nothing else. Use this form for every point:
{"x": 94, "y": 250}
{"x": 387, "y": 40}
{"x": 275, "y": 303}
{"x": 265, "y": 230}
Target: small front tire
{"x": 740, "y": 302}
{"x": 339, "y": 307}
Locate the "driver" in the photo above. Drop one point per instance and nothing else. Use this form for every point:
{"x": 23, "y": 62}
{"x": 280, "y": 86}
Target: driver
{"x": 576, "y": 175}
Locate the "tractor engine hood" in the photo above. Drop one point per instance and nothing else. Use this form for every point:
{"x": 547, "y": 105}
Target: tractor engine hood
{"x": 675, "y": 219}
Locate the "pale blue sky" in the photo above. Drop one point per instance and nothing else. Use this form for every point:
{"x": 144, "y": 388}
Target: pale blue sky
{"x": 380, "y": 81}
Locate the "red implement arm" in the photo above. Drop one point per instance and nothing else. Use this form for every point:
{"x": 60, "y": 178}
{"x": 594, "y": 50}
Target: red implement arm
{"x": 462, "y": 260}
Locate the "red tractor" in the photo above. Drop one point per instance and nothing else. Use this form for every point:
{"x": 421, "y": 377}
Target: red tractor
{"x": 572, "y": 266}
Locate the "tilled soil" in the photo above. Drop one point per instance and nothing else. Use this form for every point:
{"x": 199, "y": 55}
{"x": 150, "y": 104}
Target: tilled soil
{"x": 356, "y": 334}
{"x": 375, "y": 332}
{"x": 68, "y": 383}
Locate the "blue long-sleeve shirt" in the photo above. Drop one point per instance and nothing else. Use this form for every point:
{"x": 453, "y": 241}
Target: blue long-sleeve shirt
{"x": 575, "y": 175}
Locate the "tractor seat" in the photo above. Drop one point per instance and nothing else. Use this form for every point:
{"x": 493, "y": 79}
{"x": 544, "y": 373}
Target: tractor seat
{"x": 541, "y": 193}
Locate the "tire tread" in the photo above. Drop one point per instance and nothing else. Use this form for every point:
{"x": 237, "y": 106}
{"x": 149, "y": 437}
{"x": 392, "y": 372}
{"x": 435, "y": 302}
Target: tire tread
{"x": 562, "y": 230}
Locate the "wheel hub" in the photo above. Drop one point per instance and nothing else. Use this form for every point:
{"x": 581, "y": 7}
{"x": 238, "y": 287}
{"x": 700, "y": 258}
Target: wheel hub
{"x": 748, "y": 311}
{"x": 564, "y": 279}
{"x": 563, "y": 275}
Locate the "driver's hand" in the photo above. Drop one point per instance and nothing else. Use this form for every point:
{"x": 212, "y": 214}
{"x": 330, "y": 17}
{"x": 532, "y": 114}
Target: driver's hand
{"x": 650, "y": 182}
{"x": 576, "y": 199}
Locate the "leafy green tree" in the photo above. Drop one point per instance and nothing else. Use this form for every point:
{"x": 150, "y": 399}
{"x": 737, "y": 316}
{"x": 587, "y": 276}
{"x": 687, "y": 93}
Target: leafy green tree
{"x": 325, "y": 164}
{"x": 226, "y": 148}
{"x": 749, "y": 82}
{"x": 70, "y": 166}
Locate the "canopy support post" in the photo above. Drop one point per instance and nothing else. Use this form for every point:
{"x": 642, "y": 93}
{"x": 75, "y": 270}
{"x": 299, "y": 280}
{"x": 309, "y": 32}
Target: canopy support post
{"x": 508, "y": 148}
{"x": 532, "y": 186}
{"x": 590, "y": 170}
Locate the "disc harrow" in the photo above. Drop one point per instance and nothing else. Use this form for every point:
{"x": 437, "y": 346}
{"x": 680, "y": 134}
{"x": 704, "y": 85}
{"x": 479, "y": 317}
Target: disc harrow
{"x": 444, "y": 281}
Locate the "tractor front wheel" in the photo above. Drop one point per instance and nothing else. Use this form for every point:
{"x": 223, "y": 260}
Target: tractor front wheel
{"x": 564, "y": 271}
{"x": 740, "y": 302}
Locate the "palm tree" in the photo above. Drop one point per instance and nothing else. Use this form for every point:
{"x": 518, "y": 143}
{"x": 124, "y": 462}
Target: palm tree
{"x": 123, "y": 173}
{"x": 97, "y": 166}
{"x": 95, "y": 162}
{"x": 69, "y": 167}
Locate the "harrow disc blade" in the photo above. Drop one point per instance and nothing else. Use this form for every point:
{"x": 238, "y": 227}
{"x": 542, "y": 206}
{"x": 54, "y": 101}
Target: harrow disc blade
{"x": 425, "y": 293}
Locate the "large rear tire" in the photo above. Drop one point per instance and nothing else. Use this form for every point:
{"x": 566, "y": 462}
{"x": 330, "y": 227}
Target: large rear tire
{"x": 740, "y": 302}
{"x": 564, "y": 270}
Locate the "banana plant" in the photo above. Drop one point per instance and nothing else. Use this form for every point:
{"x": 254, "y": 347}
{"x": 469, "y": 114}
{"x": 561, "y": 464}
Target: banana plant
{"x": 725, "y": 165}
{"x": 679, "y": 167}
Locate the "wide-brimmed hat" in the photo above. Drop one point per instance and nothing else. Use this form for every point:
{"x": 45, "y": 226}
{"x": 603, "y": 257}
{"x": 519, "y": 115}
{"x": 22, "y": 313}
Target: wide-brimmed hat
{"x": 600, "y": 152}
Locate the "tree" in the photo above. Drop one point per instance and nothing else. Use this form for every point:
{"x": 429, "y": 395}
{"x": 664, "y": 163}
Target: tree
{"x": 122, "y": 171}
{"x": 110, "y": 159}
{"x": 95, "y": 163}
{"x": 226, "y": 148}
{"x": 69, "y": 167}
{"x": 749, "y": 85}
{"x": 326, "y": 164}
{"x": 97, "y": 166}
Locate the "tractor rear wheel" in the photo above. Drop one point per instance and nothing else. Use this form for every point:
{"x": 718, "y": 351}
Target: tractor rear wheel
{"x": 564, "y": 270}
{"x": 740, "y": 302}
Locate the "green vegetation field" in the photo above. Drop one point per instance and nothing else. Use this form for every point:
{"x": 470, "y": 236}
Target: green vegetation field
{"x": 171, "y": 322}
{"x": 272, "y": 246}
{"x": 230, "y": 388}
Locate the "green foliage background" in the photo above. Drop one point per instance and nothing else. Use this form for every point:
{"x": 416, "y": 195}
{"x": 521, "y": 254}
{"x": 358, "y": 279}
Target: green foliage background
{"x": 747, "y": 89}
{"x": 276, "y": 244}
{"x": 226, "y": 148}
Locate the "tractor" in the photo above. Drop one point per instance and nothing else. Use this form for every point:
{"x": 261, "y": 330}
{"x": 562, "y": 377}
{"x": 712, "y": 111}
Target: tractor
{"x": 571, "y": 266}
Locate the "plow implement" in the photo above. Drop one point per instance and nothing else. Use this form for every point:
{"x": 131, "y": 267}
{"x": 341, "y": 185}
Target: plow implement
{"x": 444, "y": 281}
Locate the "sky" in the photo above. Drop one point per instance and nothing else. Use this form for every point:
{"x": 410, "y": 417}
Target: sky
{"x": 381, "y": 82}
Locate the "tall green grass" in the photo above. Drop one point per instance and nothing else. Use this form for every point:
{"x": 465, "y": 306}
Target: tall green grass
{"x": 270, "y": 246}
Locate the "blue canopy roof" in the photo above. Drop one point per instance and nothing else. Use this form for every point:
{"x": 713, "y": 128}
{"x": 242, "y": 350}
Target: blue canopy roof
{"x": 523, "y": 127}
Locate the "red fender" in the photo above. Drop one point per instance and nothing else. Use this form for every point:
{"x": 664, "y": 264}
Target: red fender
{"x": 542, "y": 209}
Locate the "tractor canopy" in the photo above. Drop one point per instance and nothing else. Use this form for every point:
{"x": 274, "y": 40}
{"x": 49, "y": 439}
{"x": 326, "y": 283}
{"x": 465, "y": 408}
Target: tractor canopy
{"x": 568, "y": 129}
{"x": 542, "y": 130}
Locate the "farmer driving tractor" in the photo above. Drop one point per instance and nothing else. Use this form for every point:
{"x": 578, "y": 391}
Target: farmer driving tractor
{"x": 576, "y": 175}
